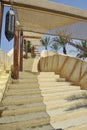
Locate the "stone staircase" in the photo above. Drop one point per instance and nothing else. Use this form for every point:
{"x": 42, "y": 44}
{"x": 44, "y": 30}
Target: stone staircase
{"x": 43, "y": 101}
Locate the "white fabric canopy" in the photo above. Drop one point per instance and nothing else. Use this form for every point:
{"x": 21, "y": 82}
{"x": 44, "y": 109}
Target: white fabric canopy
{"x": 76, "y": 31}
{"x": 44, "y": 16}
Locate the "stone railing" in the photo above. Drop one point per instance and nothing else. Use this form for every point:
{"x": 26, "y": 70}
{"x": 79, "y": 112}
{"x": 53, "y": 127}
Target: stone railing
{"x": 5, "y": 73}
{"x": 5, "y": 59}
{"x": 69, "y": 67}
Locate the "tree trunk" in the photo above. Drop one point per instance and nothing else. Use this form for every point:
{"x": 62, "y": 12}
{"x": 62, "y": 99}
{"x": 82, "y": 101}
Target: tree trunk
{"x": 76, "y": 46}
{"x": 45, "y": 47}
{"x": 64, "y": 50}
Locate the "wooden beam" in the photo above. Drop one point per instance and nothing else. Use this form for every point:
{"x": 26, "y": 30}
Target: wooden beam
{"x": 6, "y": 2}
{"x": 1, "y": 17}
{"x": 15, "y": 62}
{"x": 33, "y": 37}
{"x": 21, "y": 51}
{"x": 26, "y": 55}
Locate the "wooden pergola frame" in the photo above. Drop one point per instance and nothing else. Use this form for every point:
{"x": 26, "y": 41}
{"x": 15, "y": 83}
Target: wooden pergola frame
{"x": 47, "y": 9}
{"x": 32, "y": 37}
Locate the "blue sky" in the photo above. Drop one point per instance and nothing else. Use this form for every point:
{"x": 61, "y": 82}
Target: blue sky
{"x": 6, "y": 46}
{"x": 82, "y": 4}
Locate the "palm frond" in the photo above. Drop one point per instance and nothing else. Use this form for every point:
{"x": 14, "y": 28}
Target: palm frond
{"x": 61, "y": 43}
{"x": 55, "y": 47}
{"x": 81, "y": 53}
{"x": 45, "y": 42}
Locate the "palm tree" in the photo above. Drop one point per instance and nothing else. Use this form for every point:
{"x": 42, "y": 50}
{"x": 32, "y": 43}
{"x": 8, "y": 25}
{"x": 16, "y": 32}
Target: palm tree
{"x": 74, "y": 45}
{"x": 45, "y": 42}
{"x": 28, "y": 46}
{"x": 67, "y": 39}
{"x": 55, "y": 47}
{"x": 59, "y": 40}
{"x": 82, "y": 54}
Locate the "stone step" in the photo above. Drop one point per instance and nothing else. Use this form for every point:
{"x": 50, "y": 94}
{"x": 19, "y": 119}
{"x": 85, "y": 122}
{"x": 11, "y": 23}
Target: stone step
{"x": 62, "y": 115}
{"x": 46, "y": 94}
{"x": 24, "y": 121}
{"x": 28, "y": 77}
{"x": 54, "y": 84}
{"x": 40, "y": 85}
{"x": 61, "y": 80}
{"x": 46, "y": 74}
{"x": 26, "y": 74}
{"x": 82, "y": 126}
{"x": 63, "y": 95}
{"x": 3, "y": 73}
{"x": 40, "y": 91}
{"x": 14, "y": 92}
{"x": 55, "y": 77}
{"x": 46, "y": 105}
{"x": 19, "y": 100}
{"x": 65, "y": 103}
{"x": 56, "y": 117}
{"x": 25, "y": 81}
{"x": 22, "y": 109}
{"x": 2, "y": 87}
{"x": 40, "y": 79}
{"x": 3, "y": 80}
{"x": 4, "y": 76}
{"x": 51, "y": 79}
{"x": 43, "y": 127}
{"x": 23, "y": 86}
{"x": 59, "y": 89}
{"x": 2, "y": 66}
{"x": 65, "y": 124}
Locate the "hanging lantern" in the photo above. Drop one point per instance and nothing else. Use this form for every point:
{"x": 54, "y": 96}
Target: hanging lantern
{"x": 10, "y": 25}
{"x": 21, "y": 33}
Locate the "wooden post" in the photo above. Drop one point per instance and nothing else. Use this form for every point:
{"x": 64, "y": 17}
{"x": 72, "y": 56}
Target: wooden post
{"x": 1, "y": 17}
{"x": 15, "y": 62}
{"x": 26, "y": 50}
{"x": 21, "y": 51}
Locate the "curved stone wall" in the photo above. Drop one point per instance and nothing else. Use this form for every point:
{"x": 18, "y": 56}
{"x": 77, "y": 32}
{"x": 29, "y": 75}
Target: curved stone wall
{"x": 69, "y": 67}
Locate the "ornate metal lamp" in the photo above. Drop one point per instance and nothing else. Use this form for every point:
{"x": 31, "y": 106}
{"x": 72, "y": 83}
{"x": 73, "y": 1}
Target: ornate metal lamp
{"x": 21, "y": 33}
{"x": 10, "y": 25}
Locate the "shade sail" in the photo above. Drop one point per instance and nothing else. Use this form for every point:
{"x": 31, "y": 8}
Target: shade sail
{"x": 51, "y": 7}
{"x": 76, "y": 30}
{"x": 44, "y": 16}
{"x": 40, "y": 21}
